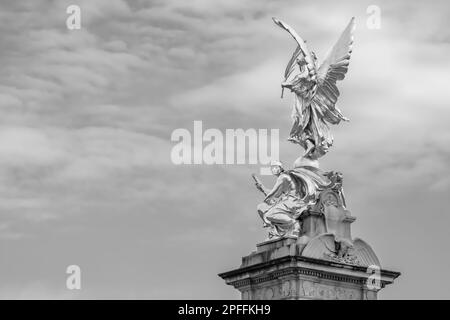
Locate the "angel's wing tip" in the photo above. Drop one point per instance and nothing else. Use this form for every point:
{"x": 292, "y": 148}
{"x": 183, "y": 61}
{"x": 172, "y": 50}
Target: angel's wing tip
{"x": 277, "y": 21}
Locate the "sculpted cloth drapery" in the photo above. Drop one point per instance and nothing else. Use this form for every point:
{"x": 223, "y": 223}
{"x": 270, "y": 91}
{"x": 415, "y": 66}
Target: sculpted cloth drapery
{"x": 294, "y": 191}
{"x": 281, "y": 207}
{"x": 315, "y": 91}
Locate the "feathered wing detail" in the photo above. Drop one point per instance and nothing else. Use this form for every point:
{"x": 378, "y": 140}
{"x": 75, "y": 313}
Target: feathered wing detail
{"x": 333, "y": 68}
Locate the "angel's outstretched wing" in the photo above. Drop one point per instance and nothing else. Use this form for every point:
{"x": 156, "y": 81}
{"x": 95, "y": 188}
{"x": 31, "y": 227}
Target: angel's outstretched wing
{"x": 301, "y": 49}
{"x": 333, "y": 68}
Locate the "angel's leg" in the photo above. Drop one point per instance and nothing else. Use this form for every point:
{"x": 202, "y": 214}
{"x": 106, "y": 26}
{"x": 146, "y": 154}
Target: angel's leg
{"x": 294, "y": 133}
{"x": 297, "y": 125}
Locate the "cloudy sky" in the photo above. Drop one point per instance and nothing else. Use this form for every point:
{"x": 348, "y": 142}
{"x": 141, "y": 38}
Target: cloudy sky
{"x": 87, "y": 115}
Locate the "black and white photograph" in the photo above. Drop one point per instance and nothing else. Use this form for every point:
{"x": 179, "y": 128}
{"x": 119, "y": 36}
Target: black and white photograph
{"x": 222, "y": 150}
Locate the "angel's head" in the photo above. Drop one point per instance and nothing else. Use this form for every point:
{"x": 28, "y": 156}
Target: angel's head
{"x": 301, "y": 62}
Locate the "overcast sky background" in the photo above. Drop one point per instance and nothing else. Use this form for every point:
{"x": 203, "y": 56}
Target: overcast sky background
{"x": 86, "y": 118}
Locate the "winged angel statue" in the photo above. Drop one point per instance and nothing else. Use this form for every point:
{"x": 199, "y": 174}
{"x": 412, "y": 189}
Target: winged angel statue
{"x": 315, "y": 91}
{"x": 316, "y": 94}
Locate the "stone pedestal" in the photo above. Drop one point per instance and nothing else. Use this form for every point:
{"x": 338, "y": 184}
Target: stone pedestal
{"x": 278, "y": 270}
{"x": 324, "y": 262}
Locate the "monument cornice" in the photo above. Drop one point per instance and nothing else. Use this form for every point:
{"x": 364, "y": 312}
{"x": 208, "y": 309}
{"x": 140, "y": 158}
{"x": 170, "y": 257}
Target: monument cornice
{"x": 285, "y": 268}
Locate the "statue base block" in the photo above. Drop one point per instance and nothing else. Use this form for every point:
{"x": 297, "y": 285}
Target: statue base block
{"x": 296, "y": 269}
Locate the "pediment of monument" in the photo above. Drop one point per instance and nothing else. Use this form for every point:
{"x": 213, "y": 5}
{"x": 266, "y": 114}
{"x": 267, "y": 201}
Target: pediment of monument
{"x": 327, "y": 247}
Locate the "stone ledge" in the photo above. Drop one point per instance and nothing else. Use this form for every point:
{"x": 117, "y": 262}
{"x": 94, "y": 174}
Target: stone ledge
{"x": 292, "y": 259}
{"x": 307, "y": 278}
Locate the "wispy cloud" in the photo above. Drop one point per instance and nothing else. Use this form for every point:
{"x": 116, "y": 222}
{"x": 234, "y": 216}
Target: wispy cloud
{"x": 85, "y": 166}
